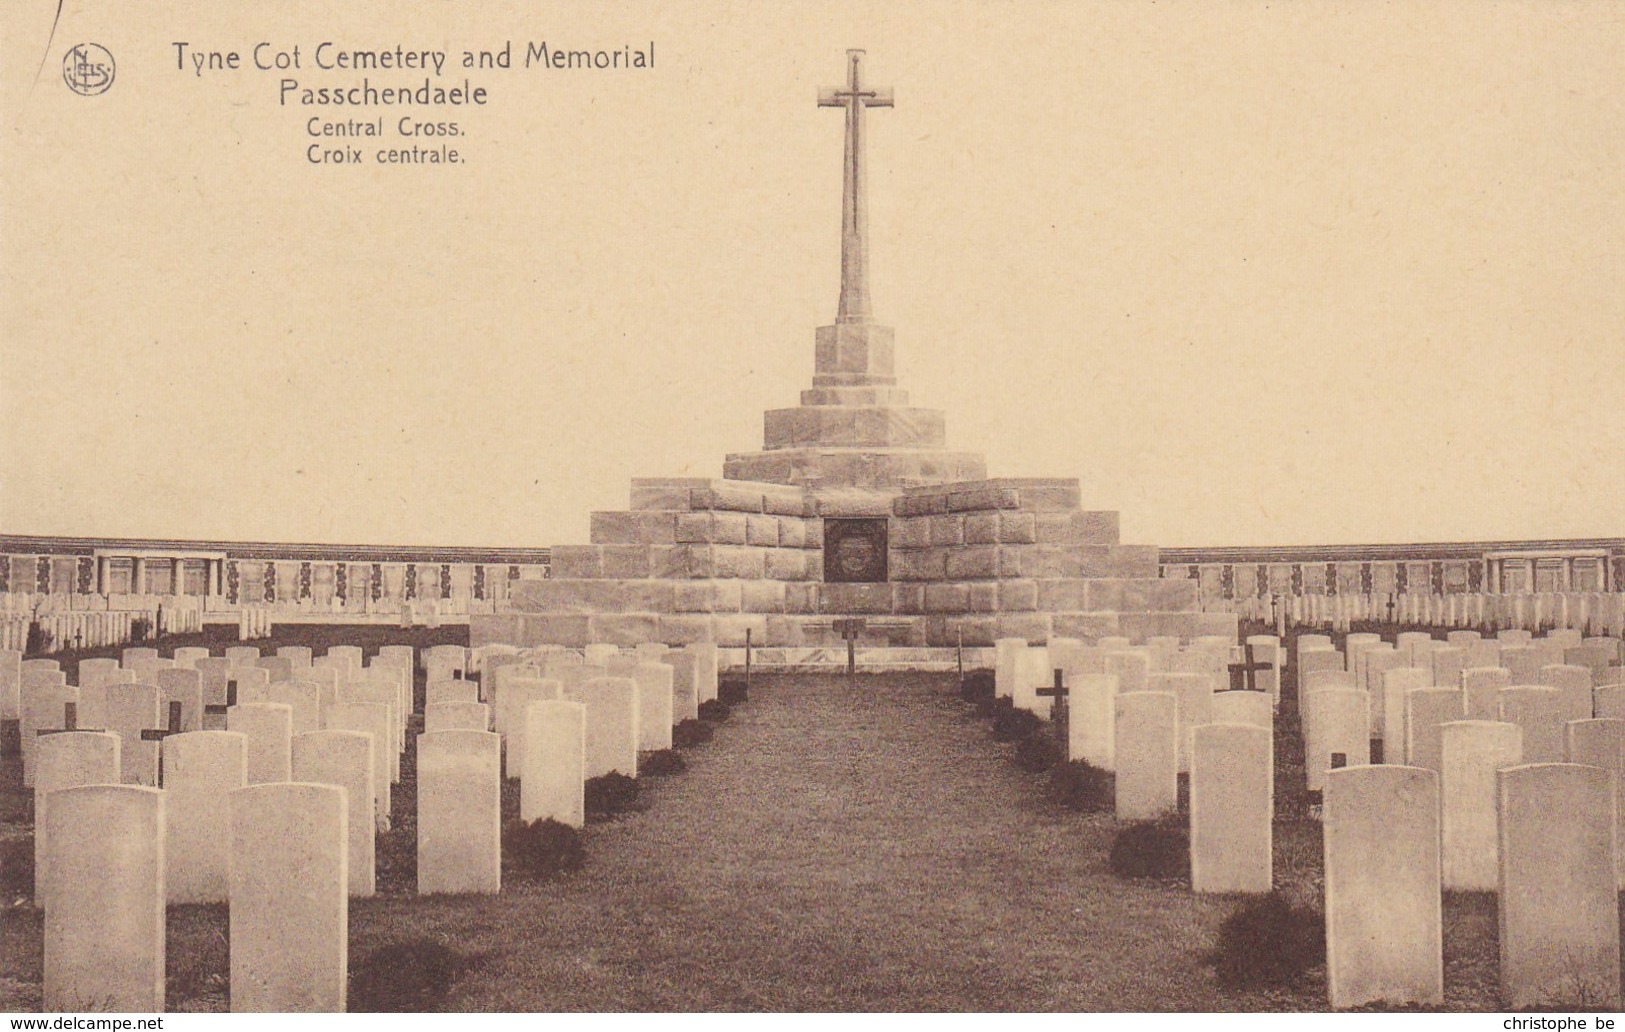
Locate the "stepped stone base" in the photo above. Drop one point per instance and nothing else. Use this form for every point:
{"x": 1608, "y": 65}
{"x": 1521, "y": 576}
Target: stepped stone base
{"x": 966, "y": 562}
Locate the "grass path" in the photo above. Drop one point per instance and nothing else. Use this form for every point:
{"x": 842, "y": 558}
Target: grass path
{"x": 837, "y": 849}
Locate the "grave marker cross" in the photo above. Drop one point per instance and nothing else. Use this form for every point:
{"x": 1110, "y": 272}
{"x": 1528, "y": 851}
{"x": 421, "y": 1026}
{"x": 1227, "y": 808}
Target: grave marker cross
{"x": 231, "y": 700}
{"x": 849, "y": 629}
{"x": 1058, "y": 692}
{"x": 1243, "y": 675}
{"x": 158, "y": 735}
{"x": 70, "y": 722}
{"x": 174, "y": 728}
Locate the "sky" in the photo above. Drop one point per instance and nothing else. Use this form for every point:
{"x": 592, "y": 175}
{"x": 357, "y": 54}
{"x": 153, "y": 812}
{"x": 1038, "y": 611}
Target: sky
{"x": 1253, "y": 273}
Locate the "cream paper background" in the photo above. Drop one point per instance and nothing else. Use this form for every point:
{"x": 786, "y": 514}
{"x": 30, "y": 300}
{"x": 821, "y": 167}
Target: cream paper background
{"x": 1257, "y": 273}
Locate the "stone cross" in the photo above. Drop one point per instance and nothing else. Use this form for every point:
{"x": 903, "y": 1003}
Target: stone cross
{"x": 1244, "y": 675}
{"x": 70, "y": 722}
{"x": 854, "y": 306}
{"x": 1058, "y": 692}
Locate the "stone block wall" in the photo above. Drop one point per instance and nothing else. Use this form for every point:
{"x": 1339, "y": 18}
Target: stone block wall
{"x": 972, "y": 561}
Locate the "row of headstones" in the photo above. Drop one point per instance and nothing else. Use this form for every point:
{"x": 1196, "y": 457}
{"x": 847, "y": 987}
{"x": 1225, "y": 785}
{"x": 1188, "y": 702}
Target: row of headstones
{"x": 1477, "y": 736}
{"x": 145, "y": 697}
{"x": 254, "y": 622}
{"x": 68, "y": 630}
{"x": 1494, "y": 811}
{"x": 1147, "y": 729}
{"x": 1545, "y": 832}
{"x": 1404, "y": 693}
{"x": 1603, "y": 612}
{"x": 206, "y": 773}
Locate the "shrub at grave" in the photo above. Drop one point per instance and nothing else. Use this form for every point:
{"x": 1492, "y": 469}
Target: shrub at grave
{"x": 16, "y": 868}
{"x": 543, "y": 848}
{"x": 1153, "y": 849}
{"x": 733, "y": 691}
{"x": 715, "y": 711}
{"x": 1081, "y": 785}
{"x": 661, "y": 764}
{"x": 1011, "y": 724}
{"x": 977, "y": 686}
{"x": 609, "y": 794}
{"x": 140, "y": 628}
{"x": 990, "y": 706}
{"x": 689, "y": 733}
{"x": 1037, "y": 753}
{"x": 1268, "y": 941}
{"x": 405, "y": 977}
{"x": 39, "y": 639}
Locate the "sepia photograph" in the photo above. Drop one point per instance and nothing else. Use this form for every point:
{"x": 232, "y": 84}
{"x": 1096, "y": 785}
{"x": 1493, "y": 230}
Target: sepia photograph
{"x": 967, "y": 507}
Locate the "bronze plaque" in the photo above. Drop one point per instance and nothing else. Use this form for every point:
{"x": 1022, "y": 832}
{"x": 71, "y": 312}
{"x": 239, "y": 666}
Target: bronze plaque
{"x": 855, "y": 551}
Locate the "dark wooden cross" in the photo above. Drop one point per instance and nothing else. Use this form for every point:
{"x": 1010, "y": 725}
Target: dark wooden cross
{"x": 231, "y": 699}
{"x": 158, "y": 735}
{"x": 849, "y": 629}
{"x": 1392, "y": 604}
{"x": 1244, "y": 675}
{"x": 70, "y": 722}
{"x": 174, "y": 728}
{"x": 1058, "y": 692}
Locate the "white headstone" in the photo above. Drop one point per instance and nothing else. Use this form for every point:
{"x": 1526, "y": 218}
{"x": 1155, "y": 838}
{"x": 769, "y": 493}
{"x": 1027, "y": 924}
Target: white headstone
{"x": 1336, "y": 724}
{"x": 104, "y": 900}
{"x": 1574, "y": 682}
{"x": 459, "y": 812}
{"x": 1559, "y": 903}
{"x": 1092, "y": 719}
{"x": 1482, "y": 687}
{"x": 1538, "y": 711}
{"x": 344, "y": 760}
{"x": 612, "y": 724}
{"x": 304, "y": 698}
{"x": 371, "y": 718}
{"x": 1471, "y": 752}
{"x": 1426, "y": 711}
{"x": 450, "y": 690}
{"x": 553, "y": 777}
{"x": 1232, "y": 806}
{"x": 43, "y": 708}
{"x": 1146, "y": 754}
{"x": 1601, "y": 743}
{"x": 1244, "y": 707}
{"x": 1384, "y": 941}
{"x": 69, "y": 760}
{"x": 289, "y": 898}
{"x": 654, "y": 681}
{"x": 132, "y": 709}
{"x": 513, "y": 699}
{"x": 201, "y": 770}
{"x": 268, "y": 727}
{"x": 457, "y": 716}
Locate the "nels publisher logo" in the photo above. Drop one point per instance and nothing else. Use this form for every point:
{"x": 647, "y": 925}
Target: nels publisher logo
{"x": 88, "y": 69}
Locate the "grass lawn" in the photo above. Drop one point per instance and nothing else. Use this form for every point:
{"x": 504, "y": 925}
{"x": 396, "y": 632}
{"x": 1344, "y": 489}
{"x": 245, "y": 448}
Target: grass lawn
{"x": 833, "y": 848}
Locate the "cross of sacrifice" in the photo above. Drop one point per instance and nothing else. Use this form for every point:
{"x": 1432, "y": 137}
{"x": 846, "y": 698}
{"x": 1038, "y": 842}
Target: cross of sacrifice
{"x": 855, "y": 96}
